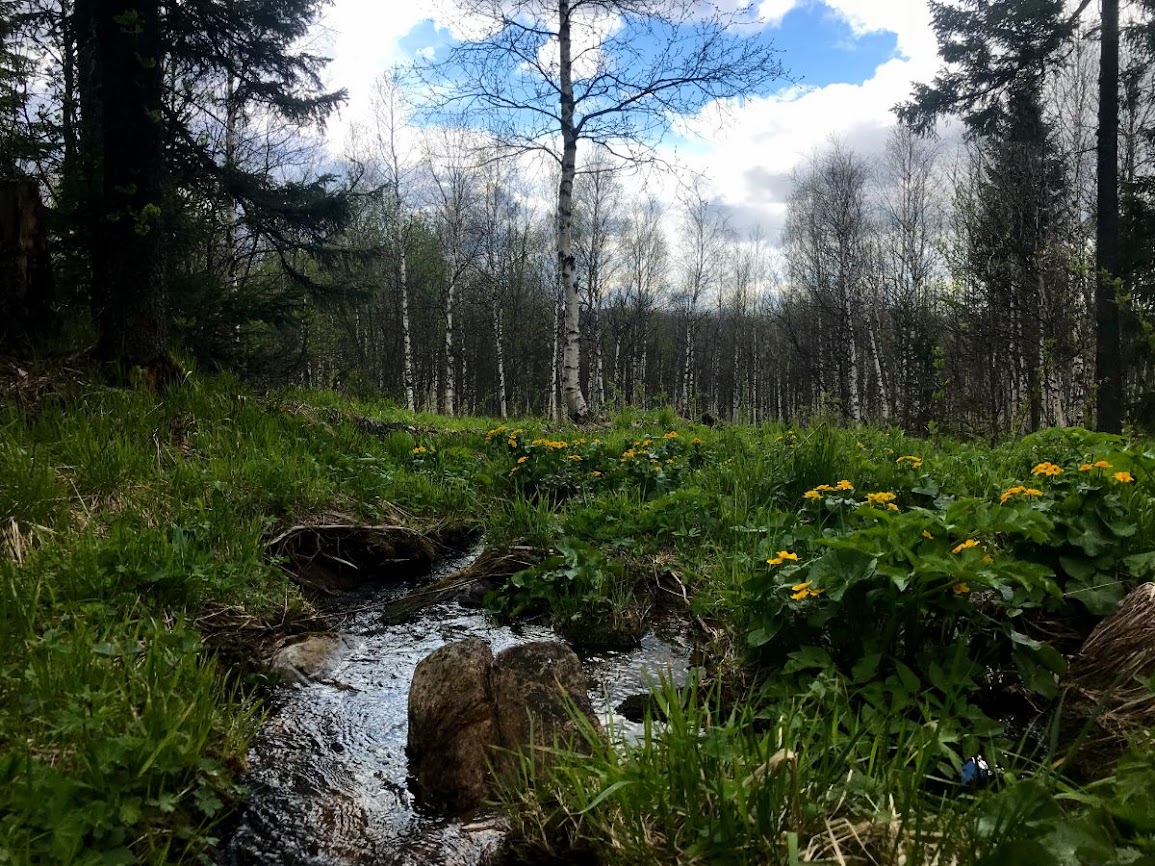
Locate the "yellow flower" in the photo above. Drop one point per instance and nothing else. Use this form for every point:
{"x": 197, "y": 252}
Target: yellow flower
{"x": 596, "y": 474}
{"x": 880, "y": 498}
{"x": 1123, "y": 477}
{"x": 1102, "y": 464}
{"x": 961, "y": 588}
{"x": 1047, "y": 469}
{"x": 891, "y": 506}
{"x": 803, "y": 590}
{"x": 782, "y": 556}
{"x": 494, "y": 432}
{"x": 573, "y": 457}
{"x": 420, "y": 449}
{"x": 695, "y": 441}
{"x": 522, "y": 459}
{"x": 966, "y": 545}
{"x": 1019, "y": 490}
{"x": 824, "y": 488}
{"x": 987, "y": 560}
{"x": 514, "y": 469}
{"x": 844, "y": 485}
{"x": 812, "y": 494}
{"x": 1011, "y": 491}
{"x": 673, "y": 434}
{"x": 926, "y": 534}
{"x": 915, "y": 462}
{"x": 629, "y": 455}
{"x": 1085, "y": 467}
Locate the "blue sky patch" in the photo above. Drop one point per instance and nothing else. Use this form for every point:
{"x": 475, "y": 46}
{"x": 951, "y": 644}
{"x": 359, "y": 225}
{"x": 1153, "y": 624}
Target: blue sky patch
{"x": 819, "y": 48}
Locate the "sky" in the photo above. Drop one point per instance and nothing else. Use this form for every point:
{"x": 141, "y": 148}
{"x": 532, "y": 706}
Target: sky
{"x": 850, "y": 61}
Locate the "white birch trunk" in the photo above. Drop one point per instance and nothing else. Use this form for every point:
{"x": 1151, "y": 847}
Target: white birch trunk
{"x": 575, "y": 402}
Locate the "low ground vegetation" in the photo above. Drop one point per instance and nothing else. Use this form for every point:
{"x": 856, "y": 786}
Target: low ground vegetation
{"x": 879, "y": 610}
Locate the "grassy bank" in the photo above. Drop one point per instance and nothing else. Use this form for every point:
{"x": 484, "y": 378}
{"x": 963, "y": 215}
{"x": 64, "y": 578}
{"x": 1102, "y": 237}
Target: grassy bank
{"x": 882, "y": 608}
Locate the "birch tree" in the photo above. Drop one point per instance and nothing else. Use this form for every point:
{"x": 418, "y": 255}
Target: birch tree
{"x": 544, "y": 75}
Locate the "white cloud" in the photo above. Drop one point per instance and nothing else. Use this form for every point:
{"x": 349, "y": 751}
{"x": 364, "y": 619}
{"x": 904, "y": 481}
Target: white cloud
{"x": 773, "y": 11}
{"x": 750, "y": 151}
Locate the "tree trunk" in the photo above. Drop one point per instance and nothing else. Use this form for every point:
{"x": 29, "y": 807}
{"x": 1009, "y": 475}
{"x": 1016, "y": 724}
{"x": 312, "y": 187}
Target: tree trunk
{"x": 500, "y": 352}
{"x": 407, "y": 379}
{"x": 1108, "y": 347}
{"x": 449, "y": 379}
{"x": 575, "y": 401}
{"x": 129, "y": 297}
{"x": 26, "y": 286}
{"x": 554, "y": 370}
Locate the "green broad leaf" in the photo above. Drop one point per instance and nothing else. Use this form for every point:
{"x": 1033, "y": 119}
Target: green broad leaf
{"x": 1038, "y": 663}
{"x": 1078, "y": 567}
{"x": 1141, "y": 564}
{"x": 1122, "y": 528}
{"x": 808, "y": 658}
{"x": 208, "y": 802}
{"x": 761, "y": 636}
{"x": 130, "y": 811}
{"x": 865, "y": 668}
{"x": 1022, "y": 640}
{"x": 909, "y": 679}
{"x": 1099, "y": 593}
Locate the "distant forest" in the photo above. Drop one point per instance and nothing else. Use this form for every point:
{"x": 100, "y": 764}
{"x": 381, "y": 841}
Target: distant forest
{"x": 167, "y": 194}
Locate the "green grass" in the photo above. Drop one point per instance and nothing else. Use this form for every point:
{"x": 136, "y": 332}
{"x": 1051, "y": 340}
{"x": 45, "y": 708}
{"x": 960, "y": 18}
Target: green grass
{"x": 837, "y": 726}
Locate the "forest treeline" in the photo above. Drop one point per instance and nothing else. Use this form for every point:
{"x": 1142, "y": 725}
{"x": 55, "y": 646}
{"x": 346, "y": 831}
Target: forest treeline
{"x": 933, "y": 283}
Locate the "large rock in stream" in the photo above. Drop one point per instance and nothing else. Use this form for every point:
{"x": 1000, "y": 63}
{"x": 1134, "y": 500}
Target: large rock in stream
{"x": 468, "y": 711}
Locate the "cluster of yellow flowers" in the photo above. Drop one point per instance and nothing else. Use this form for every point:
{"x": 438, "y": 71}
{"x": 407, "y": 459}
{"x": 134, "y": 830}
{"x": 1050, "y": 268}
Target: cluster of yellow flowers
{"x": 883, "y": 498}
{"x": 673, "y": 434}
{"x": 912, "y": 460}
{"x": 1019, "y": 490}
{"x": 1053, "y": 469}
{"x": 801, "y": 591}
{"x": 554, "y": 444}
{"x": 1098, "y": 464}
{"x": 783, "y": 556}
{"x": 817, "y": 492}
{"x": 421, "y": 449}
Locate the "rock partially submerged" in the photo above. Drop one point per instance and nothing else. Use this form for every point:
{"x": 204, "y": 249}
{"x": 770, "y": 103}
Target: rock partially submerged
{"x": 309, "y": 658}
{"x": 470, "y": 714}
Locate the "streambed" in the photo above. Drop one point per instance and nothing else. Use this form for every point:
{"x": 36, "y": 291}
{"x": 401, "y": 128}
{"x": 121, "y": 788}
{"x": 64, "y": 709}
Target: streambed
{"x": 328, "y": 768}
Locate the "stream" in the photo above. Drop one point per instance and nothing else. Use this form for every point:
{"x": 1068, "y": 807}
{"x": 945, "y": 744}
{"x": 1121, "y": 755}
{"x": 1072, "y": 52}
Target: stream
{"x": 328, "y": 769}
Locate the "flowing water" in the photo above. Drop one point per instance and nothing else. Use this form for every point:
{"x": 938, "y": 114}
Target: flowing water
{"x": 328, "y": 769}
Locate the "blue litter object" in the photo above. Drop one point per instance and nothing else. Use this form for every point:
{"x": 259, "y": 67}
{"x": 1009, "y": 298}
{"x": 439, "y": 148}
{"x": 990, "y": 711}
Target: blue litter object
{"x": 976, "y": 771}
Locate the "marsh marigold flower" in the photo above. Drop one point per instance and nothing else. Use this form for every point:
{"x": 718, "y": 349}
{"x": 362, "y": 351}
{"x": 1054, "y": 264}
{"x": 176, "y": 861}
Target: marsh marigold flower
{"x": 966, "y": 545}
{"x": 961, "y": 588}
{"x": 1123, "y": 477}
{"x": 804, "y": 590}
{"x": 880, "y": 498}
{"x": 812, "y": 495}
{"x": 783, "y": 556}
{"x": 1047, "y": 469}
{"x": 844, "y": 485}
